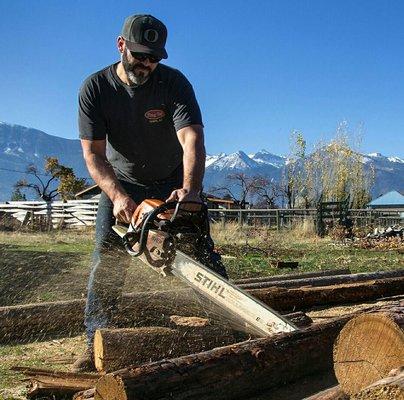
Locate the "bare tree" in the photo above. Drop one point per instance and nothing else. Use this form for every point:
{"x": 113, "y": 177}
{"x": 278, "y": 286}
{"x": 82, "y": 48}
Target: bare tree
{"x": 268, "y": 191}
{"x": 245, "y": 185}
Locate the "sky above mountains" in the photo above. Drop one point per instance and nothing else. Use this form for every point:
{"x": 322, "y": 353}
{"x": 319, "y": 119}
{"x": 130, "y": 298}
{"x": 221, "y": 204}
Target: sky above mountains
{"x": 260, "y": 69}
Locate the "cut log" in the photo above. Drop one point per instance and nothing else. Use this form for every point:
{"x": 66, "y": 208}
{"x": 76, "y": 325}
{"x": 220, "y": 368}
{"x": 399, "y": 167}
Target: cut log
{"x": 368, "y": 348}
{"x": 287, "y": 277}
{"x": 118, "y": 348}
{"x": 49, "y": 383}
{"x": 334, "y": 393}
{"x": 325, "y": 280}
{"x": 33, "y": 321}
{"x": 388, "y": 388}
{"x": 228, "y": 372}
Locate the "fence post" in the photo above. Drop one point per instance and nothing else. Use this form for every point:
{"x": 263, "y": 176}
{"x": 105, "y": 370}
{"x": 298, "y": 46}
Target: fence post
{"x": 278, "y": 222}
{"x": 240, "y": 218}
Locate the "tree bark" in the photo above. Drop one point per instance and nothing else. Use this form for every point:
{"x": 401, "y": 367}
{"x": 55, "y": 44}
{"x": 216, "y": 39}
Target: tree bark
{"x": 48, "y": 383}
{"x": 228, "y": 372}
{"x": 368, "y": 348}
{"x": 283, "y": 299}
{"x": 118, "y": 348}
{"x": 334, "y": 393}
{"x": 388, "y": 388}
{"x": 33, "y": 321}
{"x": 287, "y": 277}
{"x": 325, "y": 280}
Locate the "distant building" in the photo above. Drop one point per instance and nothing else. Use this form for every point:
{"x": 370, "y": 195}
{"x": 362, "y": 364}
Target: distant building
{"x": 90, "y": 193}
{"x": 389, "y": 200}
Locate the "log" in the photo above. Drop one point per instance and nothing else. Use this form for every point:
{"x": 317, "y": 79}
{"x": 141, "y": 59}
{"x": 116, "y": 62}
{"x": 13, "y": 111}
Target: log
{"x": 333, "y": 393}
{"x": 85, "y": 395}
{"x": 228, "y": 372}
{"x": 118, "y": 348}
{"x": 34, "y": 321}
{"x": 325, "y": 280}
{"x": 368, "y": 348}
{"x": 282, "y": 299}
{"x": 286, "y": 277}
{"x": 388, "y": 388}
{"x": 48, "y": 383}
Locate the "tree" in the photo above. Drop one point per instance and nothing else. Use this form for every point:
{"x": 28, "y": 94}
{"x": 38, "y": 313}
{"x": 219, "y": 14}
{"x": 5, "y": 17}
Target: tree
{"x": 246, "y": 186}
{"x": 68, "y": 183}
{"x": 17, "y": 195}
{"x": 292, "y": 179}
{"x": 268, "y": 191}
{"x": 334, "y": 172}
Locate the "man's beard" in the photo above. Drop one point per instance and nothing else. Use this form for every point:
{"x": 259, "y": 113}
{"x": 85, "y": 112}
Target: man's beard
{"x": 136, "y": 72}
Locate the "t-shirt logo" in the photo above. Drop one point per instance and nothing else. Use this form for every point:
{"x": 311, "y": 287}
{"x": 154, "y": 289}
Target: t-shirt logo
{"x": 155, "y": 116}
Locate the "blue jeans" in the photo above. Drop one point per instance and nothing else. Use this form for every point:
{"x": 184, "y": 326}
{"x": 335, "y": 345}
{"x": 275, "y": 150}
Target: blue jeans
{"x": 110, "y": 261}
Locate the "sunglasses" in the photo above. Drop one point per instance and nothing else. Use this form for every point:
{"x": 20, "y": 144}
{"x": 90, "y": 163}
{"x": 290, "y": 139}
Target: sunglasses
{"x": 143, "y": 57}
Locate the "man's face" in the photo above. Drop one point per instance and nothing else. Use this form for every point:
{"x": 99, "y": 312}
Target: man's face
{"x": 138, "y": 72}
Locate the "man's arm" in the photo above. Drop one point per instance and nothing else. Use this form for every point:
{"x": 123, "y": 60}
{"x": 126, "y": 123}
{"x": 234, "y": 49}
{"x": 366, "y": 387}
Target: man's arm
{"x": 101, "y": 171}
{"x": 192, "y": 142}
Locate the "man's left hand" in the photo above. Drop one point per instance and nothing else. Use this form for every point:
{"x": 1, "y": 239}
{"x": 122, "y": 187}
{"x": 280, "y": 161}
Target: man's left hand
{"x": 184, "y": 195}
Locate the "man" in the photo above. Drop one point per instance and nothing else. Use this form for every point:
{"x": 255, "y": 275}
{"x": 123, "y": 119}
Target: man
{"x": 142, "y": 137}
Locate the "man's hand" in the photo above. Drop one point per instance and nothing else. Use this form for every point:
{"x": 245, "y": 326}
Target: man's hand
{"x": 124, "y": 207}
{"x": 186, "y": 195}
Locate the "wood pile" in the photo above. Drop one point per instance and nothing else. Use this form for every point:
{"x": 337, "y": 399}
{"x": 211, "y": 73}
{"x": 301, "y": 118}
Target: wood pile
{"x": 177, "y": 357}
{"x": 31, "y": 322}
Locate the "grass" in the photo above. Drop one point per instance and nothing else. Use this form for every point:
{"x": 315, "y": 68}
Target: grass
{"x": 37, "y": 267}
{"x": 255, "y": 252}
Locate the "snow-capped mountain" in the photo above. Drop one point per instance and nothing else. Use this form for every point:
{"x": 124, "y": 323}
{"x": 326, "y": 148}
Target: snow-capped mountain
{"x": 21, "y": 146}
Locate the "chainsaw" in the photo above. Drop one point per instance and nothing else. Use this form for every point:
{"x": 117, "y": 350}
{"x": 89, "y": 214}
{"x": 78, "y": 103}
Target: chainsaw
{"x": 173, "y": 240}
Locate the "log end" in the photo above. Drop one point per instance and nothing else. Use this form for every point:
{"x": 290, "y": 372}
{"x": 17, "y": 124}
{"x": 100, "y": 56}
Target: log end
{"x": 367, "y": 348}
{"x": 110, "y": 387}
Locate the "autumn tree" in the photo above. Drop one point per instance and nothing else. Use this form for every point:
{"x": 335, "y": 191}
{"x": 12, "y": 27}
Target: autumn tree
{"x": 44, "y": 184}
{"x": 292, "y": 178}
{"x": 334, "y": 171}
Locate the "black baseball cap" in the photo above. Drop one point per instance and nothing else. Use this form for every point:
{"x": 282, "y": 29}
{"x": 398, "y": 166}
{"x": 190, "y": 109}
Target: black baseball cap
{"x": 145, "y": 34}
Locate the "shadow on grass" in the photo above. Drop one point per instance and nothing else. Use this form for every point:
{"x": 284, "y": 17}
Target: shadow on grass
{"x": 25, "y": 274}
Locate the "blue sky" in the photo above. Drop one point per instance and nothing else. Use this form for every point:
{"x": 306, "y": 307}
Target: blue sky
{"x": 260, "y": 69}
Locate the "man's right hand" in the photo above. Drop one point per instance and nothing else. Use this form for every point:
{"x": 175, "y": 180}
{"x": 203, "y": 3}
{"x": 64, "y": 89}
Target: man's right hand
{"x": 124, "y": 207}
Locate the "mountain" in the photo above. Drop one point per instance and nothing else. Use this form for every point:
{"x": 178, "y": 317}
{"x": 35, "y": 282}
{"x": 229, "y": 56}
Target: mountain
{"x": 21, "y": 146}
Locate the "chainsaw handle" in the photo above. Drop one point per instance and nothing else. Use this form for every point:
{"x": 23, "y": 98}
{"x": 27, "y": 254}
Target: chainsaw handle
{"x": 152, "y": 216}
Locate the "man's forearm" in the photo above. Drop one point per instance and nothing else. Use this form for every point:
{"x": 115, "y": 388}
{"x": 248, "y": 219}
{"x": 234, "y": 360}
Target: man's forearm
{"x": 194, "y": 166}
{"x": 104, "y": 176}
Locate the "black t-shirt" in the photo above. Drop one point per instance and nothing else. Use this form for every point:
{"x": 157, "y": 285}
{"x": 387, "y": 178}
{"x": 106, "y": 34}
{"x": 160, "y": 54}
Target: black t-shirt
{"x": 139, "y": 122}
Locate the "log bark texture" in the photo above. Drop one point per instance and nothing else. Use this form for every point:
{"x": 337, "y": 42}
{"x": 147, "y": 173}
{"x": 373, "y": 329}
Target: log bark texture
{"x": 368, "y": 348}
{"x": 334, "y": 393}
{"x": 388, "y": 388}
{"x": 282, "y": 299}
{"x": 33, "y": 321}
{"x": 48, "y": 383}
{"x": 325, "y": 280}
{"x": 118, "y": 348}
{"x": 287, "y": 277}
{"x": 228, "y": 372}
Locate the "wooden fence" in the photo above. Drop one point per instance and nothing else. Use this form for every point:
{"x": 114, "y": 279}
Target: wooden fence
{"x": 73, "y": 213}
{"x": 76, "y": 213}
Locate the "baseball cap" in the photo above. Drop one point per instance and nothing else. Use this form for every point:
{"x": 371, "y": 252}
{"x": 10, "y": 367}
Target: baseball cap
{"x": 145, "y": 34}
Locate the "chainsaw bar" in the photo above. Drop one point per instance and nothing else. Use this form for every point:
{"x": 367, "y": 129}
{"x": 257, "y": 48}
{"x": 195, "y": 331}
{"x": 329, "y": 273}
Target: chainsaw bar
{"x": 257, "y": 316}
